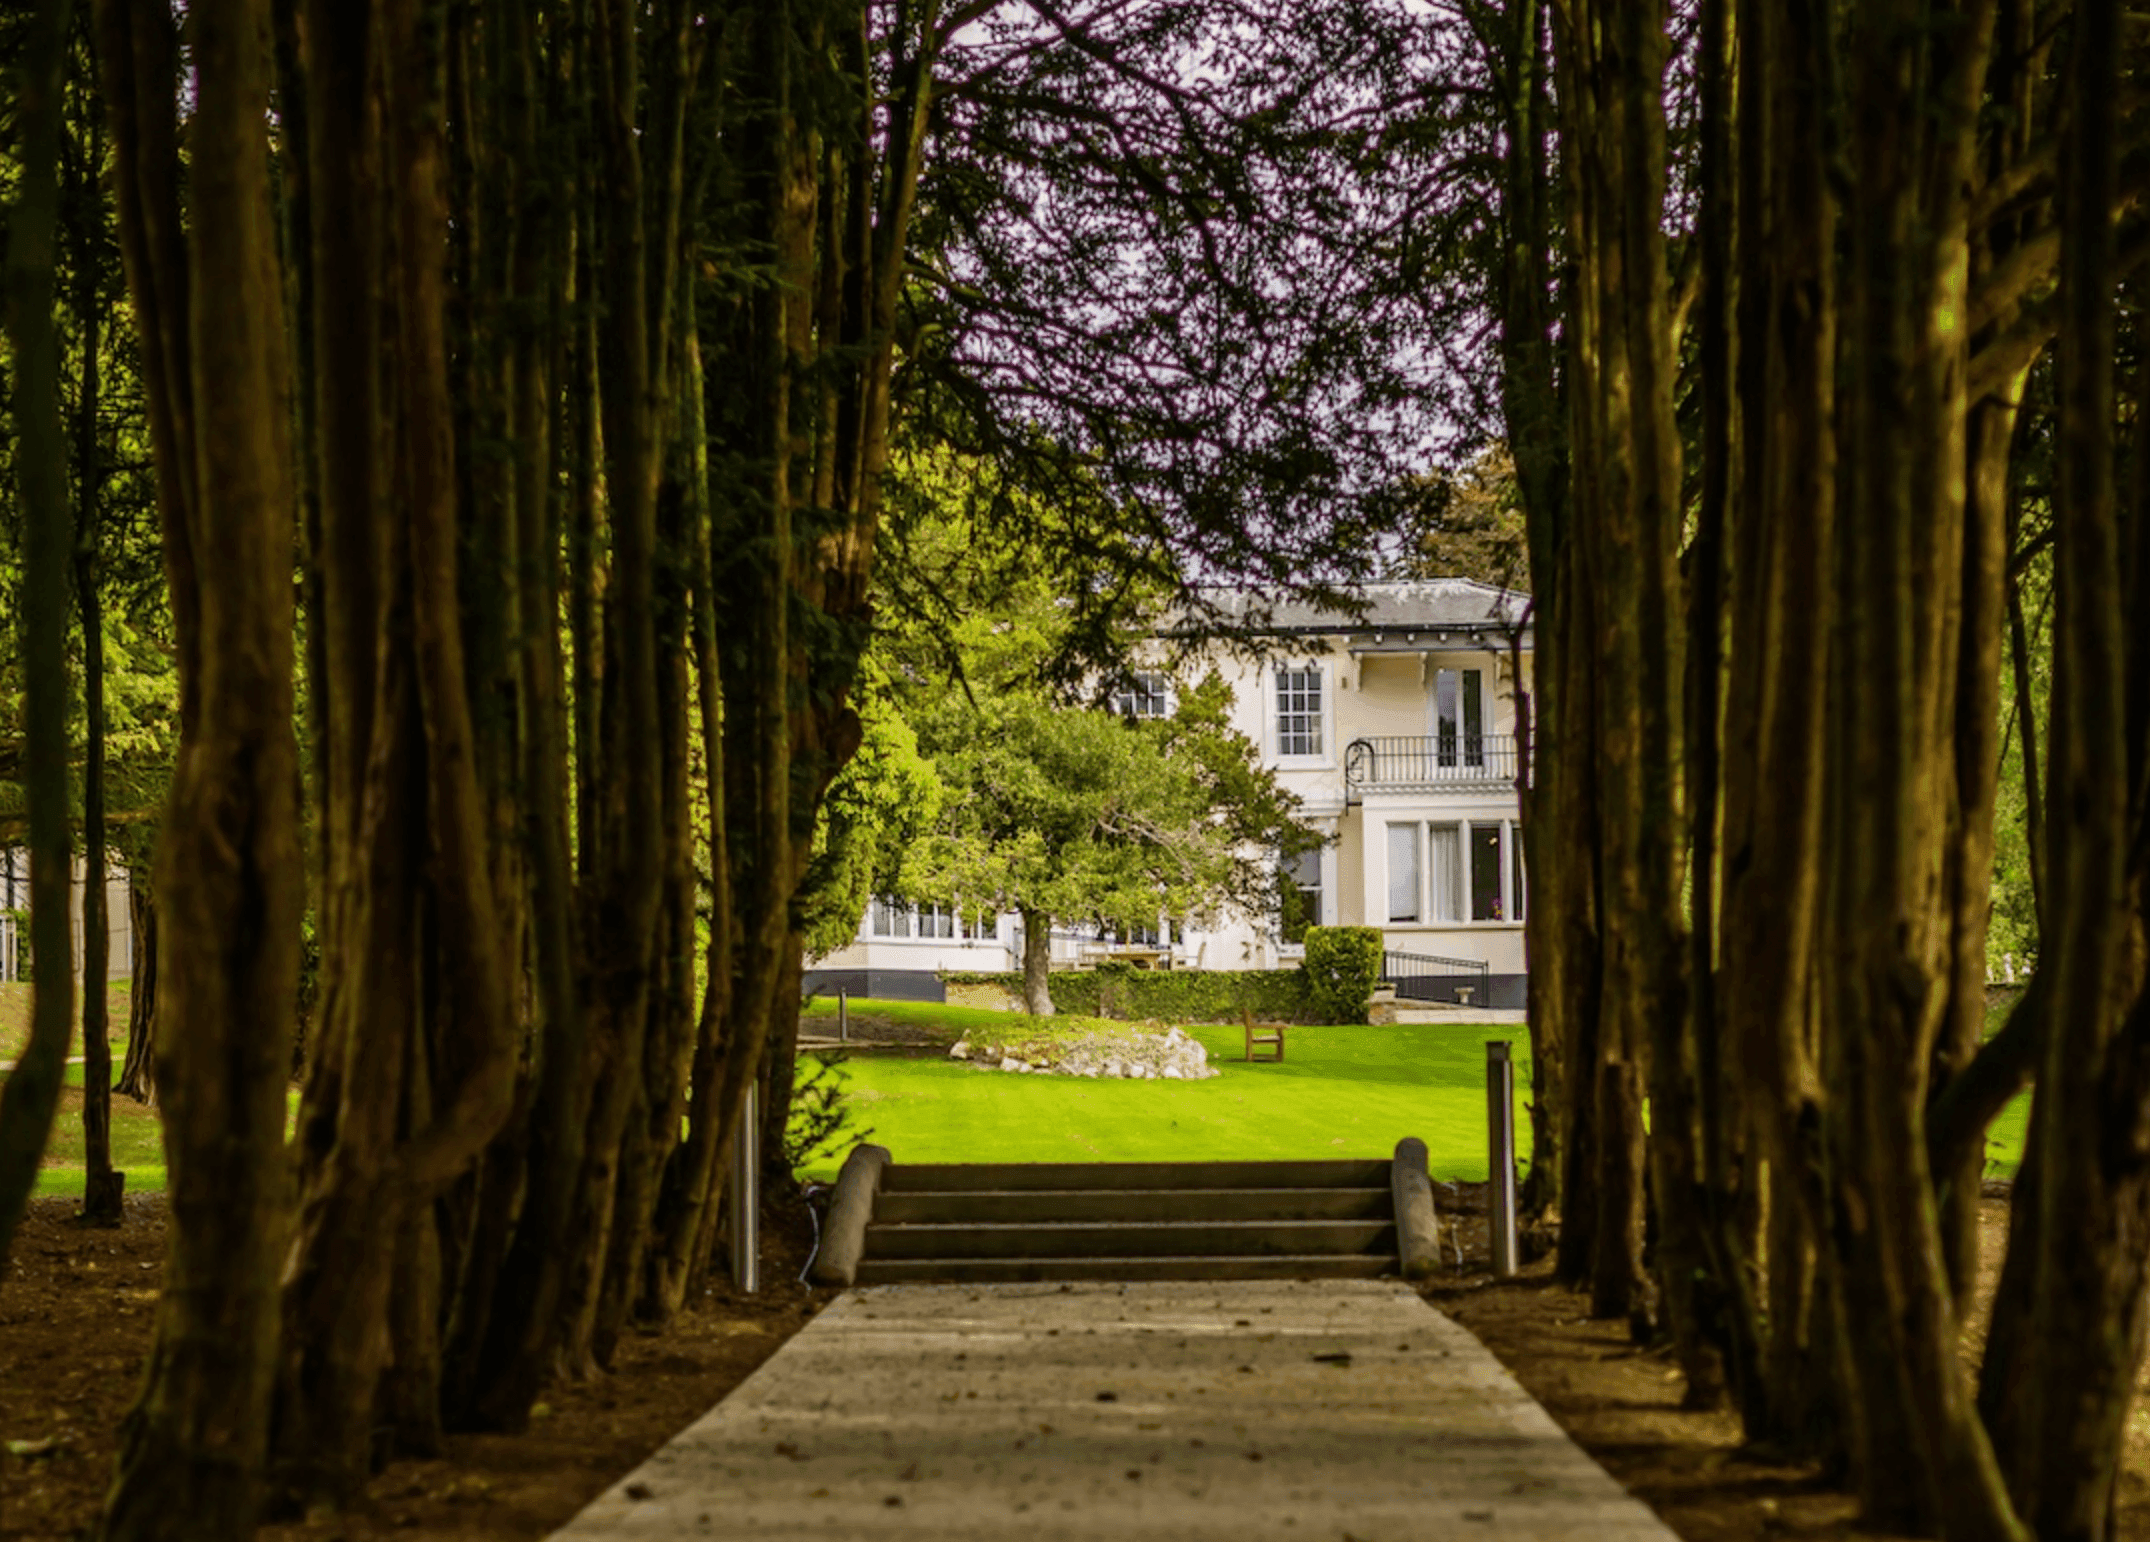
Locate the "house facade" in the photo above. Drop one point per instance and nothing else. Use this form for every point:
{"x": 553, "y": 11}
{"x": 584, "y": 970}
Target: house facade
{"x": 1396, "y": 726}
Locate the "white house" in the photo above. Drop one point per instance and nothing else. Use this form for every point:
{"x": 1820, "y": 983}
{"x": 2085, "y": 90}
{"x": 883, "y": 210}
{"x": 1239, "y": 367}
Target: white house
{"x": 15, "y": 916}
{"x": 1396, "y": 726}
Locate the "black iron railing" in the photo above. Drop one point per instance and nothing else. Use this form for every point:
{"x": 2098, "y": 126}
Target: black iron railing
{"x": 1429, "y": 760}
{"x": 1429, "y": 977}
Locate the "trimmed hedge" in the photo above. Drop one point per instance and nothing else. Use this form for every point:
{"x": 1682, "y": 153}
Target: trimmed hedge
{"x": 1343, "y": 963}
{"x": 1174, "y": 995}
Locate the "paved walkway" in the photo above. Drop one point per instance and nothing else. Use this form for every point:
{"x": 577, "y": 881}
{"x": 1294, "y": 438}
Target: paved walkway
{"x": 1339, "y": 1410}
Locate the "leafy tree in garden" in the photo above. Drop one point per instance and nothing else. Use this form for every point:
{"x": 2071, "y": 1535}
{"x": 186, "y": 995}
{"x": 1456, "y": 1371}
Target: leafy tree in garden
{"x": 1077, "y": 814}
{"x": 1466, "y": 523}
{"x": 886, "y": 798}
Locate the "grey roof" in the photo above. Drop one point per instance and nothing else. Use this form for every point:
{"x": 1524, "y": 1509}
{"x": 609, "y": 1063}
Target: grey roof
{"x": 1390, "y": 610}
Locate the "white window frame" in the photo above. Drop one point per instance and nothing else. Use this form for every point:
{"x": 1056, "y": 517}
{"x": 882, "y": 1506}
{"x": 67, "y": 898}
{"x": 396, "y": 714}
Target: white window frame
{"x": 924, "y": 923}
{"x": 1511, "y": 875}
{"x": 1324, "y": 714}
{"x": 1147, "y": 688}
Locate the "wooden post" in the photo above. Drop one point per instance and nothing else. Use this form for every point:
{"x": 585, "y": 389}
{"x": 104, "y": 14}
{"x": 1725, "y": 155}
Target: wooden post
{"x": 1500, "y": 1156}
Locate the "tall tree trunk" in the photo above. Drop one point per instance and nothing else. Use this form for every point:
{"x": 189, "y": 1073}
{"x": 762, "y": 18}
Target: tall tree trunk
{"x": 102, "y": 1186}
{"x": 1777, "y": 721}
{"x": 138, "y": 1075}
{"x": 687, "y": 1213}
{"x": 1537, "y": 438}
{"x": 1924, "y": 1461}
{"x": 1037, "y": 963}
{"x": 2092, "y": 1194}
{"x": 414, "y": 1068}
{"x": 1625, "y": 473}
{"x": 32, "y": 1092}
{"x": 230, "y": 876}
{"x": 637, "y": 214}
{"x": 2015, "y": 76}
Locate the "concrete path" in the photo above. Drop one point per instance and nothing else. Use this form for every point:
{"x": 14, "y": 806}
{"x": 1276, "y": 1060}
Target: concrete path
{"x": 1337, "y": 1410}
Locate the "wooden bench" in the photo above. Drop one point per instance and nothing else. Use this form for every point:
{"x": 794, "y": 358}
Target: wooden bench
{"x": 1262, "y": 1036}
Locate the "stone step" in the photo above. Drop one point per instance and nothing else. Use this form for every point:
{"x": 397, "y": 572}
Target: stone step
{"x": 1009, "y": 1206}
{"x": 1016, "y": 1271}
{"x": 944, "y": 1177}
{"x": 1118, "y": 1239}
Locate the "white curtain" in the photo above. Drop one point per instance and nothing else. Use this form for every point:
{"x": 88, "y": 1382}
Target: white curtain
{"x": 1403, "y": 872}
{"x": 1447, "y": 842}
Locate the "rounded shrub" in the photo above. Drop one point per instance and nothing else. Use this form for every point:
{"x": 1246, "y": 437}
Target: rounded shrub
{"x": 1342, "y": 965}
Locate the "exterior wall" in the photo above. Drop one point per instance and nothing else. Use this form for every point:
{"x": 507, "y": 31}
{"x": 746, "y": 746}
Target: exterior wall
{"x": 929, "y": 956}
{"x": 1351, "y": 868}
{"x": 15, "y": 896}
{"x": 1371, "y": 692}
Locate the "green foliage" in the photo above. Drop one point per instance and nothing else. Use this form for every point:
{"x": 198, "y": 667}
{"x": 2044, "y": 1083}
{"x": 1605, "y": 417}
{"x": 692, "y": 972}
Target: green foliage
{"x": 887, "y": 797}
{"x": 1073, "y": 812}
{"x": 822, "y": 1110}
{"x": 1464, "y": 523}
{"x": 2012, "y": 926}
{"x": 1171, "y": 995}
{"x": 1342, "y": 963}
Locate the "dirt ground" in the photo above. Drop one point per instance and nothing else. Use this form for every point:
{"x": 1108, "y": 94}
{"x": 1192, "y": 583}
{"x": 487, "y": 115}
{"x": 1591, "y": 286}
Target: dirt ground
{"x": 76, "y": 1307}
{"x": 75, "y": 1317}
{"x": 1621, "y": 1403}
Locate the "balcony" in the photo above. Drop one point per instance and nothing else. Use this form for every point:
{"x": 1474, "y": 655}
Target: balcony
{"x": 1430, "y": 763}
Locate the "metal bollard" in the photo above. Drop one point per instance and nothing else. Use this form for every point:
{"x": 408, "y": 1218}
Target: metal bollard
{"x": 746, "y": 1194}
{"x": 843, "y": 1017}
{"x": 1500, "y": 1156}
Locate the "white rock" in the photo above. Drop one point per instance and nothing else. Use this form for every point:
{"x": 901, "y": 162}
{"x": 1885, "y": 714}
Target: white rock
{"x": 960, "y": 1050}
{"x": 1010, "y": 1063}
{"x": 1174, "y": 1073}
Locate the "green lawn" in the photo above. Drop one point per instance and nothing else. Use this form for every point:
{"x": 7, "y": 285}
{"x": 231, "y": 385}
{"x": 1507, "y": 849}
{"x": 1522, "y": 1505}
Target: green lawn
{"x": 1341, "y": 1092}
{"x": 137, "y": 1143}
{"x": 926, "y": 1016}
{"x": 1345, "y": 1091}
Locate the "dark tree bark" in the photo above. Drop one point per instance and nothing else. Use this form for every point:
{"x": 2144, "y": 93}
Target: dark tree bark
{"x": 2015, "y": 77}
{"x": 138, "y": 1074}
{"x": 1037, "y": 963}
{"x": 102, "y": 1186}
{"x": 414, "y": 1067}
{"x": 1776, "y": 722}
{"x": 1913, "y": 106}
{"x": 32, "y": 1092}
{"x": 2086, "y": 1313}
{"x": 230, "y": 879}
{"x": 1537, "y": 439}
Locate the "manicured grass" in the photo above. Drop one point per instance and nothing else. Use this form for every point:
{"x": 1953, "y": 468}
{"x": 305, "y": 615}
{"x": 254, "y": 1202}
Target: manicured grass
{"x": 933, "y": 1017}
{"x": 1341, "y": 1092}
{"x": 15, "y": 1001}
{"x": 137, "y": 1144}
{"x": 137, "y": 1140}
{"x": 2004, "y": 1140}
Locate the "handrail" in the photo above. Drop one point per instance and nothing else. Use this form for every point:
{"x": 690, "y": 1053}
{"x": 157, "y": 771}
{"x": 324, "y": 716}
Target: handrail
{"x": 1440, "y": 965}
{"x": 1429, "y": 977}
{"x": 1430, "y": 760}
